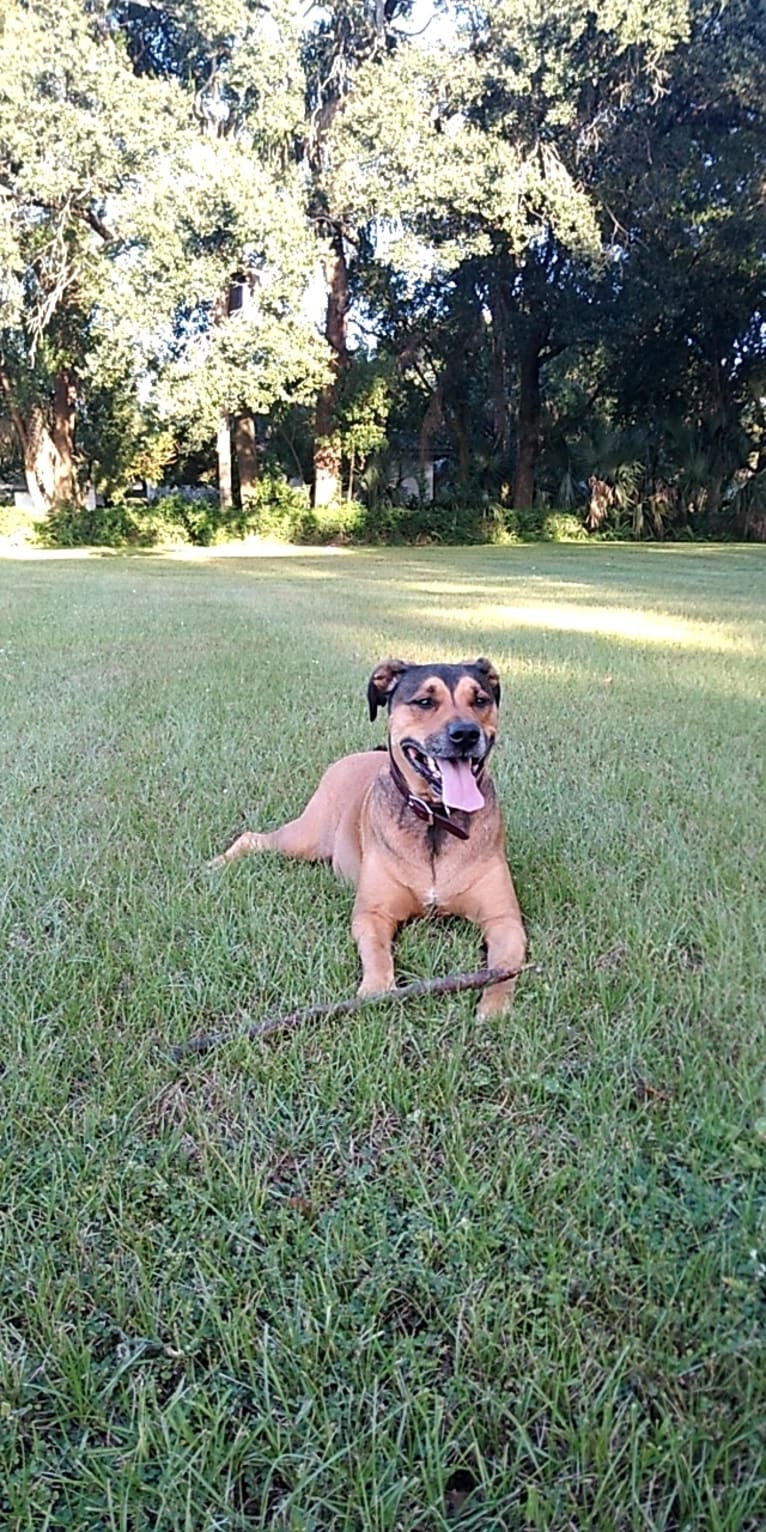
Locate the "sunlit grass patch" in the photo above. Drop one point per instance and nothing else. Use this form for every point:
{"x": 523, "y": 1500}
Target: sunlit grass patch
{"x": 399, "y": 1271}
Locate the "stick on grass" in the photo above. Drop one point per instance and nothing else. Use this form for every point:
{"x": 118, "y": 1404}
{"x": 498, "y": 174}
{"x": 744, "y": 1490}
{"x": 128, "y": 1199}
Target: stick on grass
{"x": 451, "y": 984}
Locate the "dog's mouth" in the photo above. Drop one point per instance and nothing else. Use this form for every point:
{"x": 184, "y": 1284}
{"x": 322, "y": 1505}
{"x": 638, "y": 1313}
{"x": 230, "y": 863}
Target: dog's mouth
{"x": 451, "y": 778}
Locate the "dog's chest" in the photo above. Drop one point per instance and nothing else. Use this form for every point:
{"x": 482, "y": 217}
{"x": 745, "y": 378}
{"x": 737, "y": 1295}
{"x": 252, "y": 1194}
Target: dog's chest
{"x": 436, "y": 895}
{"x": 434, "y": 883}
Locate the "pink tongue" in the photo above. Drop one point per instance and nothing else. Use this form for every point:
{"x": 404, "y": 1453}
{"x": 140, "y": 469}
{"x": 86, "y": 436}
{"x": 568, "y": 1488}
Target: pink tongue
{"x": 459, "y": 790}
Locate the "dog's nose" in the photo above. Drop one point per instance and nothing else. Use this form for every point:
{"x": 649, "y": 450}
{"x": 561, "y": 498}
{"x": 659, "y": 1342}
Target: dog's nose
{"x": 464, "y": 736}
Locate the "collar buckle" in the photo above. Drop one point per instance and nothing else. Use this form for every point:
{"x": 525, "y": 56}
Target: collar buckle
{"x": 423, "y": 809}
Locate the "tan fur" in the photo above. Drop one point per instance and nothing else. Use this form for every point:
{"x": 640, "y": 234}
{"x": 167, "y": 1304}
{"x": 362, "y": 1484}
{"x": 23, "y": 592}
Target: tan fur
{"x": 401, "y": 867}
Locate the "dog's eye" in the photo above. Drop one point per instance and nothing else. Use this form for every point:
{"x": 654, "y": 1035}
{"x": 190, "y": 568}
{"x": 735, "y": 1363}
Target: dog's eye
{"x": 423, "y": 702}
{"x": 481, "y": 700}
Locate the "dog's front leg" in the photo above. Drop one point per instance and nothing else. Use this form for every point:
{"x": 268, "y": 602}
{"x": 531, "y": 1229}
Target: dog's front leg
{"x": 373, "y": 931}
{"x": 381, "y": 905}
{"x": 493, "y": 905}
{"x": 506, "y": 947}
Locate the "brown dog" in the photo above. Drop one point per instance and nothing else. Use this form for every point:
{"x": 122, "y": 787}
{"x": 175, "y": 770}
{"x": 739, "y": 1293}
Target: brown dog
{"x": 417, "y": 828}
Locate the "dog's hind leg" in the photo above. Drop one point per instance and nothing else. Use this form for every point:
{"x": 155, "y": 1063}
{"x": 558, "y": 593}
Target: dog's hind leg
{"x": 299, "y": 837}
{"x": 252, "y": 840}
{"x": 311, "y": 836}
{"x": 327, "y": 830}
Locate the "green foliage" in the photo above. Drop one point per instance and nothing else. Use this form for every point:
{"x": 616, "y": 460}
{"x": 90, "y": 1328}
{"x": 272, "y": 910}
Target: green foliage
{"x": 123, "y": 222}
{"x": 276, "y": 511}
{"x": 346, "y": 521}
{"x": 552, "y": 224}
{"x": 504, "y": 524}
{"x": 363, "y": 406}
{"x": 274, "y": 508}
{"x": 18, "y": 528}
{"x": 169, "y": 520}
{"x": 562, "y": 527}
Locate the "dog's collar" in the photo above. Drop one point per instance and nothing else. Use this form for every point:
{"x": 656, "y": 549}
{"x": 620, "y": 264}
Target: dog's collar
{"x": 430, "y": 813}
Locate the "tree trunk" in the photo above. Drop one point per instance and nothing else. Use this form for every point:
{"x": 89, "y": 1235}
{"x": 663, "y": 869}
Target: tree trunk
{"x": 246, "y": 452}
{"x": 461, "y": 433}
{"x": 327, "y": 447}
{"x": 501, "y": 422}
{"x": 64, "y": 399}
{"x": 47, "y": 453}
{"x": 528, "y": 435}
{"x": 225, "y": 495}
{"x": 714, "y": 495}
{"x": 433, "y": 419}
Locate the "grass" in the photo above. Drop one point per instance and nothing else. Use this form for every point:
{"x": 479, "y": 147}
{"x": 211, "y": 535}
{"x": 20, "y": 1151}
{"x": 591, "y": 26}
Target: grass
{"x": 401, "y": 1271}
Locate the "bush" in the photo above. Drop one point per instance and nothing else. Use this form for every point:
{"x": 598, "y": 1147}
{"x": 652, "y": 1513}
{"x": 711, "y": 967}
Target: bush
{"x": 74, "y": 526}
{"x": 183, "y": 517}
{"x": 18, "y": 526}
{"x": 275, "y": 508}
{"x": 123, "y": 524}
{"x": 505, "y": 524}
{"x": 280, "y": 511}
{"x": 448, "y": 518}
{"x": 444, "y": 520}
{"x": 563, "y": 527}
{"x": 499, "y": 526}
{"x": 343, "y": 522}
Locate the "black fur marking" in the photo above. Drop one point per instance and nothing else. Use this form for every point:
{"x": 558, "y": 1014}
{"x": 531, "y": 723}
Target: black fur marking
{"x": 406, "y": 681}
{"x": 411, "y": 681}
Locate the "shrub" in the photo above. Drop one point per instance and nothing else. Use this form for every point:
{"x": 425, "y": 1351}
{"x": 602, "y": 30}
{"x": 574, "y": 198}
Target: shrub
{"x": 345, "y": 521}
{"x": 499, "y": 525}
{"x": 182, "y": 517}
{"x": 123, "y": 524}
{"x": 381, "y": 520}
{"x": 275, "y": 508}
{"x": 75, "y": 526}
{"x": 563, "y": 527}
{"x": 18, "y": 526}
{"x": 448, "y": 518}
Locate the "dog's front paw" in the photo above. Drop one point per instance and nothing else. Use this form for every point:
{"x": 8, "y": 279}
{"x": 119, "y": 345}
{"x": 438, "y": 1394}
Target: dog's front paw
{"x": 495, "y": 1001}
{"x": 375, "y": 985}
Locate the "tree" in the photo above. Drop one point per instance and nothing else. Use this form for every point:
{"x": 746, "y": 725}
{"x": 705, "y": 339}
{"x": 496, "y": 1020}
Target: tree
{"x": 349, "y": 38}
{"x": 478, "y": 150}
{"x": 122, "y": 225}
{"x": 77, "y": 140}
{"x": 689, "y": 355}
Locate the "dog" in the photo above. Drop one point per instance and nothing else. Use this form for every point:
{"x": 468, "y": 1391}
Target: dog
{"x": 416, "y": 826}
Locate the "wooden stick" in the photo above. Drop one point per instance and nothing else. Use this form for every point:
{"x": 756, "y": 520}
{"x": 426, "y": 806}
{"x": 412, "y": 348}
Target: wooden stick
{"x": 451, "y": 984}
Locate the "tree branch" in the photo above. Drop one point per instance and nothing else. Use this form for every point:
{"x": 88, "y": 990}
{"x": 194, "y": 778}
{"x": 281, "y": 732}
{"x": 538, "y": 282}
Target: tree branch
{"x": 94, "y": 222}
{"x": 14, "y": 412}
{"x": 451, "y": 984}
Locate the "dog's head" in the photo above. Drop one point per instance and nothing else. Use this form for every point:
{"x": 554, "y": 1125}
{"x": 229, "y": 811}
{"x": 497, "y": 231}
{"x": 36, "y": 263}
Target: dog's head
{"x": 442, "y": 723}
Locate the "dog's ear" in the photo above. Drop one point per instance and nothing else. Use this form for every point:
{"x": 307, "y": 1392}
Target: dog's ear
{"x": 491, "y": 677}
{"x": 382, "y": 682}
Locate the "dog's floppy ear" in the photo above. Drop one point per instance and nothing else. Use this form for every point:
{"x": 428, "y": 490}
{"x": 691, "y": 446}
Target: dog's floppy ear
{"x": 491, "y": 677}
{"x": 382, "y": 682}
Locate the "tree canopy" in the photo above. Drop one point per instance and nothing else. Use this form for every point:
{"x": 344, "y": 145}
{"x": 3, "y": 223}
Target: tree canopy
{"x": 524, "y": 242}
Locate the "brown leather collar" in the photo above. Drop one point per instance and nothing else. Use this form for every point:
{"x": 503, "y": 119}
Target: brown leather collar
{"x": 431, "y": 813}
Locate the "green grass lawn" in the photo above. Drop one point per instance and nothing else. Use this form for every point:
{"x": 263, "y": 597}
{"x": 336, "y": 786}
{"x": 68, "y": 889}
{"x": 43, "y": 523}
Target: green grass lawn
{"x": 401, "y": 1271}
